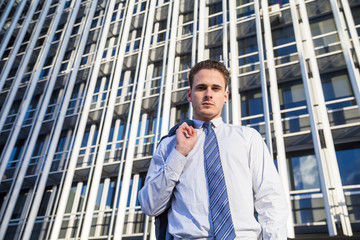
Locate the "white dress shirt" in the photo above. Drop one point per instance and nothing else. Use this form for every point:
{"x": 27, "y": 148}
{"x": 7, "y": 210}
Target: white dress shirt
{"x": 252, "y": 182}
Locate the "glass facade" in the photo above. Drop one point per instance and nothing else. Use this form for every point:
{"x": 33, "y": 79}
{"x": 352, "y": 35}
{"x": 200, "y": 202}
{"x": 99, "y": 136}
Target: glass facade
{"x": 87, "y": 89}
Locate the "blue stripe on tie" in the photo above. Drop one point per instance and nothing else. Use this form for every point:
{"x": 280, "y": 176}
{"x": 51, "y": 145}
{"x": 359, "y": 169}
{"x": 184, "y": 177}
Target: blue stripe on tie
{"x": 218, "y": 198}
{"x": 220, "y": 208}
{"x": 210, "y": 164}
{"x": 227, "y": 232}
{"x": 216, "y": 184}
{"x": 223, "y": 221}
{"x": 217, "y": 168}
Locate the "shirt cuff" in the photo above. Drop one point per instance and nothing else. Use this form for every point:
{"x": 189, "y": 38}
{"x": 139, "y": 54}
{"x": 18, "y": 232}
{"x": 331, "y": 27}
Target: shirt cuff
{"x": 176, "y": 161}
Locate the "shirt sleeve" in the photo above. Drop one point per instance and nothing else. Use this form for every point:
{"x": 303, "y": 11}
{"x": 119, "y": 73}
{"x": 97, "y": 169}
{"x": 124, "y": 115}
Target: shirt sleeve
{"x": 164, "y": 172}
{"x": 269, "y": 195}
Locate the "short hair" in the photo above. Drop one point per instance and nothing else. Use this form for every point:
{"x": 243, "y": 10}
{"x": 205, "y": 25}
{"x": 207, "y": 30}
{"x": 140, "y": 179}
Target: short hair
{"x": 209, "y": 64}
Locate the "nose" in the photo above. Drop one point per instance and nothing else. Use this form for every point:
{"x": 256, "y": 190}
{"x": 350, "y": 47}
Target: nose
{"x": 208, "y": 93}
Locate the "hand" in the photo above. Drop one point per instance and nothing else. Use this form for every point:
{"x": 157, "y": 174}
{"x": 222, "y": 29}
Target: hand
{"x": 186, "y": 138}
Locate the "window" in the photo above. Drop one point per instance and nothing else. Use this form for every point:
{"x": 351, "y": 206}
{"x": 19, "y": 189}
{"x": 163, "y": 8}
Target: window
{"x": 244, "y": 11}
{"x": 188, "y": 17}
{"x": 248, "y": 47}
{"x": 252, "y": 104}
{"x": 187, "y": 29}
{"x": 20, "y": 203}
{"x": 45, "y": 202}
{"x": 216, "y": 20}
{"x": 185, "y": 62}
{"x": 292, "y": 95}
{"x": 336, "y": 85}
{"x": 182, "y": 112}
{"x": 322, "y": 25}
{"x": 110, "y": 195}
{"x": 283, "y": 35}
{"x": 349, "y": 164}
{"x": 213, "y": 9}
{"x": 324, "y": 31}
{"x": 157, "y": 69}
{"x": 216, "y": 53}
{"x": 308, "y": 210}
{"x": 303, "y": 172}
{"x": 67, "y": 4}
{"x": 99, "y": 194}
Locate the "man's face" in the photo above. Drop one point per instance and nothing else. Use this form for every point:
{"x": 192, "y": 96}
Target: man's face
{"x": 208, "y": 94}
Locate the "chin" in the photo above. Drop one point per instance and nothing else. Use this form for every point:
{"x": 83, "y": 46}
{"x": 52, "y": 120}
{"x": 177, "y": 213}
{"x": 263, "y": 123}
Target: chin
{"x": 207, "y": 115}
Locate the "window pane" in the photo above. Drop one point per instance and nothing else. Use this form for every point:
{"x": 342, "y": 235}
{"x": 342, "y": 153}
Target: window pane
{"x": 349, "y": 165}
{"x": 353, "y": 204}
{"x": 247, "y": 45}
{"x": 308, "y": 210}
{"x": 304, "y": 173}
{"x": 293, "y": 95}
{"x": 251, "y": 102}
{"x": 336, "y": 85}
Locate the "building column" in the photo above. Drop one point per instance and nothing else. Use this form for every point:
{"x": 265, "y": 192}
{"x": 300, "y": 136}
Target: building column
{"x": 135, "y": 183}
{"x": 345, "y": 26}
{"x": 275, "y": 103}
{"x": 112, "y": 153}
{"x": 24, "y": 61}
{"x": 74, "y": 209}
{"x": 102, "y": 207}
{"x": 225, "y": 51}
{"x": 264, "y": 90}
{"x": 133, "y": 197}
{"x": 124, "y": 193}
{"x": 331, "y": 187}
{"x": 19, "y": 39}
{"x": 201, "y": 34}
{"x": 351, "y": 27}
{"x": 164, "y": 77}
{"x": 234, "y": 69}
{"x": 170, "y": 69}
{"x": 26, "y": 102}
{"x": 6, "y": 39}
{"x": 81, "y": 129}
{"x": 105, "y": 124}
{"x": 6, "y": 12}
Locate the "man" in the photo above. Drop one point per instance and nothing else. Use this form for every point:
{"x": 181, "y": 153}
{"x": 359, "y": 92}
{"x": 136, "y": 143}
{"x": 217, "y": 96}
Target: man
{"x": 215, "y": 176}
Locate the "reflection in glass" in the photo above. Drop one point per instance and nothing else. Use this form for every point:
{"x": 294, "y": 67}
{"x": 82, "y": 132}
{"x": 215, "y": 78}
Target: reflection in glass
{"x": 303, "y": 172}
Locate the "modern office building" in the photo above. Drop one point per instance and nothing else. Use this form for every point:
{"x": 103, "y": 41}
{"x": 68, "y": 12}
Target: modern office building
{"x": 87, "y": 88}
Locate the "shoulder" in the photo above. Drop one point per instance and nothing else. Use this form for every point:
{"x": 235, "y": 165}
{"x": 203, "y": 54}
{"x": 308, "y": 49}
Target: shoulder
{"x": 246, "y": 132}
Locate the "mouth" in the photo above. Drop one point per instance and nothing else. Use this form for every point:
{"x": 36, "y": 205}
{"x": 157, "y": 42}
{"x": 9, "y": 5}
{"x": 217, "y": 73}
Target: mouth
{"x": 206, "y": 103}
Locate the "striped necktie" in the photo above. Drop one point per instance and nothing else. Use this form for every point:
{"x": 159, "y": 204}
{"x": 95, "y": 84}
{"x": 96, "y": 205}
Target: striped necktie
{"x": 218, "y": 197}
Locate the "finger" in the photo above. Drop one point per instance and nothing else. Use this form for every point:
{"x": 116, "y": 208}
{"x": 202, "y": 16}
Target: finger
{"x": 184, "y": 125}
{"x": 190, "y": 131}
{"x": 193, "y": 131}
{"x": 187, "y": 135}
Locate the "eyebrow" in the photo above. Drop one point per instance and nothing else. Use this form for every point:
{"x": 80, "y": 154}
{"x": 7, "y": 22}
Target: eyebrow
{"x": 204, "y": 85}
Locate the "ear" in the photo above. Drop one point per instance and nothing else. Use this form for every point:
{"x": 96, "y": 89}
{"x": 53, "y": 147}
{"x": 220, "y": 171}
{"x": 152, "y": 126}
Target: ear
{"x": 188, "y": 95}
{"x": 226, "y": 97}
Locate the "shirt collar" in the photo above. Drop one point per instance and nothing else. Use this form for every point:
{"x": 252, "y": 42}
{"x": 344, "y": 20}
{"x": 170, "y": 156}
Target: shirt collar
{"x": 215, "y": 122}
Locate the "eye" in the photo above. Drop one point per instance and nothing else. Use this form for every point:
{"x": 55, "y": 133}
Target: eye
{"x": 200, "y": 88}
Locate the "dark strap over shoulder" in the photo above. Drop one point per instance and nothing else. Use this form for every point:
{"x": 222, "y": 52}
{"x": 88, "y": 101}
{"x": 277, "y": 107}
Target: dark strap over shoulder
{"x": 172, "y": 131}
{"x": 161, "y": 221}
